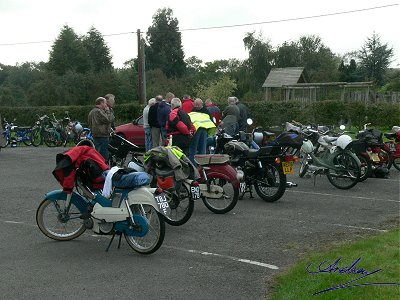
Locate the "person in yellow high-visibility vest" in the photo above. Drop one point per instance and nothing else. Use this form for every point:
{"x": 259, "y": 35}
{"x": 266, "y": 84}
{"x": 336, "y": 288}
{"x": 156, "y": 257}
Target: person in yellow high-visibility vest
{"x": 201, "y": 120}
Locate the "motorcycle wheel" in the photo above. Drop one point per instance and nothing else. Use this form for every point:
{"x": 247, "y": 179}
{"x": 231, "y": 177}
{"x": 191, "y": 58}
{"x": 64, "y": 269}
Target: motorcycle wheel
{"x": 349, "y": 173}
{"x": 273, "y": 185}
{"x": 51, "y": 138}
{"x": 303, "y": 166}
{"x": 366, "y": 168}
{"x": 396, "y": 162}
{"x": 28, "y": 138}
{"x": 36, "y": 137}
{"x": 153, "y": 239}
{"x": 228, "y": 199}
{"x": 58, "y": 226}
{"x": 181, "y": 205}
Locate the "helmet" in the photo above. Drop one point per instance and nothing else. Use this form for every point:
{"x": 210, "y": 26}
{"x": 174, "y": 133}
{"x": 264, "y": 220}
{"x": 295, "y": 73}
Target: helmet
{"x": 307, "y": 146}
{"x": 343, "y": 141}
{"x": 258, "y": 137}
{"x": 78, "y": 127}
{"x": 396, "y": 128}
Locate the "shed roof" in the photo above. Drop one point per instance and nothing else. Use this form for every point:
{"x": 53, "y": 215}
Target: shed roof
{"x": 284, "y": 76}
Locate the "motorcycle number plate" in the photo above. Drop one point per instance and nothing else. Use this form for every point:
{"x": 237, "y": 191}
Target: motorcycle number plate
{"x": 392, "y": 147}
{"x": 288, "y": 167}
{"x": 242, "y": 187}
{"x": 195, "y": 192}
{"x": 374, "y": 157}
{"x": 163, "y": 203}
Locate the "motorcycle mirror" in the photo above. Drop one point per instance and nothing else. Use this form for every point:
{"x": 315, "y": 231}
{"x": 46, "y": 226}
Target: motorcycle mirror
{"x": 342, "y": 127}
{"x": 249, "y": 121}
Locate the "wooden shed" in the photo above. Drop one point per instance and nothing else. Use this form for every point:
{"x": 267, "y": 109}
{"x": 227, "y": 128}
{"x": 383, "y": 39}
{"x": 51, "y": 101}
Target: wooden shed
{"x": 280, "y": 77}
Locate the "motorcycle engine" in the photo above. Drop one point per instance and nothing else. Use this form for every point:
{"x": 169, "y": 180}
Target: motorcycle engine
{"x": 102, "y": 227}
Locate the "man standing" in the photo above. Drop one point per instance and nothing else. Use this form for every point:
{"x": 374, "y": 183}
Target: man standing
{"x": 179, "y": 126}
{"x": 146, "y": 126}
{"x": 99, "y": 120}
{"x": 187, "y": 104}
{"x": 201, "y": 120}
{"x": 231, "y": 124}
{"x": 244, "y": 115}
{"x": 153, "y": 122}
{"x": 164, "y": 108}
{"x": 110, "y": 103}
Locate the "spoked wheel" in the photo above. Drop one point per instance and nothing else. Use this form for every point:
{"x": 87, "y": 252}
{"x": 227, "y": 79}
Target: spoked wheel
{"x": 347, "y": 174}
{"x": 28, "y": 137}
{"x": 304, "y": 166}
{"x": 366, "y": 167}
{"x": 151, "y": 234}
{"x": 272, "y": 185}
{"x": 56, "y": 224}
{"x": 225, "y": 195}
{"x": 396, "y": 162}
{"x": 4, "y": 140}
{"x": 51, "y": 138}
{"x": 36, "y": 136}
{"x": 181, "y": 205}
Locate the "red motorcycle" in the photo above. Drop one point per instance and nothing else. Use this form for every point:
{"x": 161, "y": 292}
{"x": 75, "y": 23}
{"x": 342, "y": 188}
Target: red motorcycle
{"x": 393, "y": 146}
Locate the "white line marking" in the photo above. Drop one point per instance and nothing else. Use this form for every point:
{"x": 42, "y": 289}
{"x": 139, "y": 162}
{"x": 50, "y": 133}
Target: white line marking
{"x": 341, "y": 196}
{"x": 356, "y": 227}
{"x": 247, "y": 261}
{"x": 14, "y": 222}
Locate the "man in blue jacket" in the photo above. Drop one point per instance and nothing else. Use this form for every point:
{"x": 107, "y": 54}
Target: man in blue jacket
{"x": 163, "y": 111}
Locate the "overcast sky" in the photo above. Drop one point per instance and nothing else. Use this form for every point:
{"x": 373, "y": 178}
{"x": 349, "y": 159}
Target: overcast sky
{"x": 23, "y": 21}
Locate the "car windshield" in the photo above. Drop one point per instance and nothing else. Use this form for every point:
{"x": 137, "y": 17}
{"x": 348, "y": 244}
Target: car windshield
{"x": 139, "y": 121}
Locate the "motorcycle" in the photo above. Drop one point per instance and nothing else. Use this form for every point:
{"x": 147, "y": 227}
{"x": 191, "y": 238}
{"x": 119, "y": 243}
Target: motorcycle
{"x": 332, "y": 157}
{"x": 138, "y": 214}
{"x": 393, "y": 146}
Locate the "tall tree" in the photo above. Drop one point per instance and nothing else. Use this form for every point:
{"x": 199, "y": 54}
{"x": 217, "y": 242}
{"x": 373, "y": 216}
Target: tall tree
{"x": 98, "y": 51}
{"x": 375, "y": 58}
{"x": 164, "y": 50}
{"x": 68, "y": 53}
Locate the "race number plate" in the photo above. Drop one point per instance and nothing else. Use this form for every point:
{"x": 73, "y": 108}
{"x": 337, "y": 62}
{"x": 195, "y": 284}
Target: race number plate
{"x": 163, "y": 203}
{"x": 195, "y": 192}
{"x": 242, "y": 187}
{"x": 374, "y": 157}
{"x": 288, "y": 167}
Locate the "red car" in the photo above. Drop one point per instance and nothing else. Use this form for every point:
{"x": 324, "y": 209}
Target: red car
{"x": 133, "y": 132}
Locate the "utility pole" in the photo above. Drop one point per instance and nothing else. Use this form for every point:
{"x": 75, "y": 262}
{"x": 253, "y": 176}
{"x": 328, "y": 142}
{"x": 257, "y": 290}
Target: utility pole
{"x": 141, "y": 70}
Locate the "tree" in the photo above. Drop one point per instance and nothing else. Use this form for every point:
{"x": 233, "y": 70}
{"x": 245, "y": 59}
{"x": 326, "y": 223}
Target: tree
{"x": 98, "y": 51}
{"x": 68, "y": 53}
{"x": 164, "y": 50}
{"x": 218, "y": 90}
{"x": 349, "y": 72}
{"x": 375, "y": 59}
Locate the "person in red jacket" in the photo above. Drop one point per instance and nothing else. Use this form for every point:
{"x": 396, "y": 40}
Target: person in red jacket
{"x": 187, "y": 104}
{"x": 179, "y": 126}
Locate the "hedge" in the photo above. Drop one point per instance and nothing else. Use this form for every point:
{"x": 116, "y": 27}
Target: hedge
{"x": 265, "y": 114}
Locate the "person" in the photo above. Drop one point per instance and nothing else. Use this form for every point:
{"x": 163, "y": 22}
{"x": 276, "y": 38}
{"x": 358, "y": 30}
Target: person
{"x": 179, "y": 126}
{"x": 187, "y": 103}
{"x": 164, "y": 108}
{"x": 110, "y": 103}
{"x": 214, "y": 111}
{"x": 153, "y": 122}
{"x": 147, "y": 129}
{"x": 100, "y": 119}
{"x": 232, "y": 110}
{"x": 244, "y": 115}
{"x": 204, "y": 125}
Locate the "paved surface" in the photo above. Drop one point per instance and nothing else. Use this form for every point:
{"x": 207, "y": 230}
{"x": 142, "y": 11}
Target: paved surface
{"x": 231, "y": 256}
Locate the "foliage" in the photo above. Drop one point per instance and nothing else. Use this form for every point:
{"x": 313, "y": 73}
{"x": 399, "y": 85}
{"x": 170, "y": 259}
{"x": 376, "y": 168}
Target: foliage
{"x": 375, "y": 58}
{"x": 98, "y": 51}
{"x": 218, "y": 90}
{"x": 349, "y": 72}
{"x": 164, "y": 50}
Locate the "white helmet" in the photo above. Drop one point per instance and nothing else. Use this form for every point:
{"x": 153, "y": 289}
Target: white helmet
{"x": 343, "y": 141}
{"x": 307, "y": 146}
{"x": 78, "y": 127}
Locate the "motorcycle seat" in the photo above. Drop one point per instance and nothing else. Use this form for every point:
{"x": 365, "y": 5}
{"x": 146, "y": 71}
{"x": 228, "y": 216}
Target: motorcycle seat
{"x": 251, "y": 153}
{"x": 210, "y": 159}
{"x": 330, "y": 139}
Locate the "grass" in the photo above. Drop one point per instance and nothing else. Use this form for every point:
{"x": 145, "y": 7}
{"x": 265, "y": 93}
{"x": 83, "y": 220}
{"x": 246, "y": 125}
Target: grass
{"x": 377, "y": 252}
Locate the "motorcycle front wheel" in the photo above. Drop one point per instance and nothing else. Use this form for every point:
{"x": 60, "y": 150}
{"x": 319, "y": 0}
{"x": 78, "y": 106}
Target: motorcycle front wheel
{"x": 272, "y": 185}
{"x": 154, "y": 237}
{"x": 304, "y": 166}
{"x": 181, "y": 205}
{"x": 347, "y": 174}
{"x": 36, "y": 136}
{"x": 366, "y": 168}
{"x": 396, "y": 162}
{"x": 225, "y": 201}
{"x": 52, "y": 139}
{"x": 57, "y": 224}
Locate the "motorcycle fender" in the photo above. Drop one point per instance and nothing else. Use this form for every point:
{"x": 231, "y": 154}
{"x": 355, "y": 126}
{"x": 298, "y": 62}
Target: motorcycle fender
{"x": 143, "y": 195}
{"x": 110, "y": 214}
{"x": 226, "y": 172}
{"x": 76, "y": 199}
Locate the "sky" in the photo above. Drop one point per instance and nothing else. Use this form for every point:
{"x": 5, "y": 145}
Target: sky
{"x": 29, "y": 28}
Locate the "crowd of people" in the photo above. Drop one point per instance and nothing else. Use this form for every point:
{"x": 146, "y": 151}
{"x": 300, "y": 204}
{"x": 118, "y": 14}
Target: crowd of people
{"x": 188, "y": 123}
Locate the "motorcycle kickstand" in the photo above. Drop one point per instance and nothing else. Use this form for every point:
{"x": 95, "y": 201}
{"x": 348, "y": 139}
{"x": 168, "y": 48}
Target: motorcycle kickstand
{"x": 112, "y": 239}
